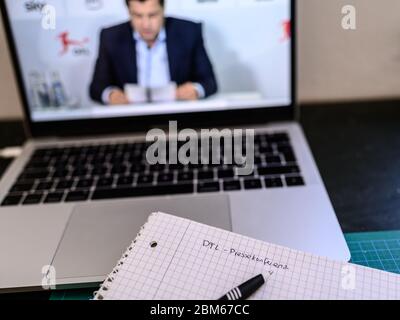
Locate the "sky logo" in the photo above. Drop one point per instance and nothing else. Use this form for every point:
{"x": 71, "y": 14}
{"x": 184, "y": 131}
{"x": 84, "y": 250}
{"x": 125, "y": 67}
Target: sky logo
{"x": 34, "y": 6}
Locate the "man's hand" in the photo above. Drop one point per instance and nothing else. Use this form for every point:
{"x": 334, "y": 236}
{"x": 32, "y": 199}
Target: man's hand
{"x": 187, "y": 91}
{"x": 117, "y": 97}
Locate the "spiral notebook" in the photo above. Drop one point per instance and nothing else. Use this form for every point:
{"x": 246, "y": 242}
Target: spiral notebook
{"x": 177, "y": 259}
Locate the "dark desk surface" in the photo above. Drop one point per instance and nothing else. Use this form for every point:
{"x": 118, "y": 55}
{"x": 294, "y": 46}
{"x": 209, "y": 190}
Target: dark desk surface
{"x": 357, "y": 149}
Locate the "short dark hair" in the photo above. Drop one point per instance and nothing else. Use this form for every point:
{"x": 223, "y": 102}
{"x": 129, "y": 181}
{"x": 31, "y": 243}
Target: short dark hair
{"x": 161, "y": 2}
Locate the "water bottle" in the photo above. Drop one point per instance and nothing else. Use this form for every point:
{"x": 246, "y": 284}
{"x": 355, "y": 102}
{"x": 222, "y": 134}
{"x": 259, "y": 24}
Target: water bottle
{"x": 43, "y": 92}
{"x": 59, "y": 96}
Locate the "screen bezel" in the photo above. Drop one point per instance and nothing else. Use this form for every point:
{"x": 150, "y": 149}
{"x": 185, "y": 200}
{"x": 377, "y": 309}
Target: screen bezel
{"x": 133, "y": 124}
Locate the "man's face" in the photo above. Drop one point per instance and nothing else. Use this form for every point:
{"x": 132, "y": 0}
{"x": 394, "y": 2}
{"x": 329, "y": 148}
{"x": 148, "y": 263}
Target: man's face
{"x": 147, "y": 18}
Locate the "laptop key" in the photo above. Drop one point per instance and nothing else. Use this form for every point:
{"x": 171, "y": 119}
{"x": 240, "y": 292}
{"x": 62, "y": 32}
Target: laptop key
{"x": 204, "y": 187}
{"x": 80, "y": 172}
{"x": 156, "y": 167}
{"x": 119, "y": 169}
{"x": 64, "y": 184}
{"x": 252, "y": 184}
{"x": 76, "y": 196}
{"x": 295, "y": 181}
{"x": 105, "y": 182}
{"x": 285, "y": 149}
{"x": 37, "y": 165}
{"x": 43, "y": 186}
{"x": 61, "y": 174}
{"x": 138, "y": 168}
{"x": 270, "y": 171}
{"x": 24, "y": 187}
{"x": 223, "y": 174}
{"x": 145, "y": 179}
{"x": 232, "y": 186}
{"x": 185, "y": 176}
{"x": 28, "y": 176}
{"x": 273, "y": 160}
{"x": 266, "y": 149}
{"x": 290, "y": 157}
{"x": 55, "y": 197}
{"x": 178, "y": 166}
{"x": 279, "y": 138}
{"x": 85, "y": 184}
{"x": 258, "y": 160}
{"x": 205, "y": 175}
{"x": 273, "y": 183}
{"x": 165, "y": 178}
{"x": 11, "y": 201}
{"x": 32, "y": 199}
{"x": 125, "y": 181}
{"x": 100, "y": 170}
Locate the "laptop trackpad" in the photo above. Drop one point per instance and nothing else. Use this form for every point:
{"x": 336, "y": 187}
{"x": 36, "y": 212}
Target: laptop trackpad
{"x": 99, "y": 233}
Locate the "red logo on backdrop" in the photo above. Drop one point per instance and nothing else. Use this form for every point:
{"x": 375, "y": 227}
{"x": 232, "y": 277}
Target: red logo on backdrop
{"x": 287, "y": 30}
{"x": 67, "y": 42}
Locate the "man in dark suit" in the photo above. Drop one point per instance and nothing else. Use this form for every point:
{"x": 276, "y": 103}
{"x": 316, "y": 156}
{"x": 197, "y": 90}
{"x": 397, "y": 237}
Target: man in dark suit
{"x": 152, "y": 51}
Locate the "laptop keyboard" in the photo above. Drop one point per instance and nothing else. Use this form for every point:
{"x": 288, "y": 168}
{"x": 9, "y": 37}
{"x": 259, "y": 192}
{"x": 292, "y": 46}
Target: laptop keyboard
{"x": 120, "y": 170}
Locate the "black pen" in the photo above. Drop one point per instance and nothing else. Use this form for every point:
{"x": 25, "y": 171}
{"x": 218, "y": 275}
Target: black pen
{"x": 245, "y": 290}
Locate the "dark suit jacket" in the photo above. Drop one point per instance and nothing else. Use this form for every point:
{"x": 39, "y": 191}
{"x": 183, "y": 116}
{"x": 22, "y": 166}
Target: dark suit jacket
{"x": 188, "y": 60}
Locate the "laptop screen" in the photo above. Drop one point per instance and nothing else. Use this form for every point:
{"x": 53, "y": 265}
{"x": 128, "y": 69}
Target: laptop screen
{"x": 98, "y": 59}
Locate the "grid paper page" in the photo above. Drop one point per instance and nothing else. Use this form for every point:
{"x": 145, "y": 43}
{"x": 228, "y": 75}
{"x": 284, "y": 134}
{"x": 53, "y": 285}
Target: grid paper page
{"x": 197, "y": 262}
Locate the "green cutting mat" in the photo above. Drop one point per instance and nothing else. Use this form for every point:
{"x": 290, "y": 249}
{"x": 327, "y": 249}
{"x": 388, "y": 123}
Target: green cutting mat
{"x": 78, "y": 294}
{"x": 379, "y": 250}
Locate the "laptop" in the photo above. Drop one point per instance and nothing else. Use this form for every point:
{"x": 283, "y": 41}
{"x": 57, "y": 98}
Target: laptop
{"x": 82, "y": 187}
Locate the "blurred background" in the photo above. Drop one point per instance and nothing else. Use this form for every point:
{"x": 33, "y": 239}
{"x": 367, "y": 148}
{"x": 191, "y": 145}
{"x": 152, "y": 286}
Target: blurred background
{"x": 334, "y": 64}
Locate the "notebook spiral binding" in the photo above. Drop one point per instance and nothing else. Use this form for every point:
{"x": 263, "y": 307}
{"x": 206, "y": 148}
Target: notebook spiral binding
{"x": 105, "y": 287}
